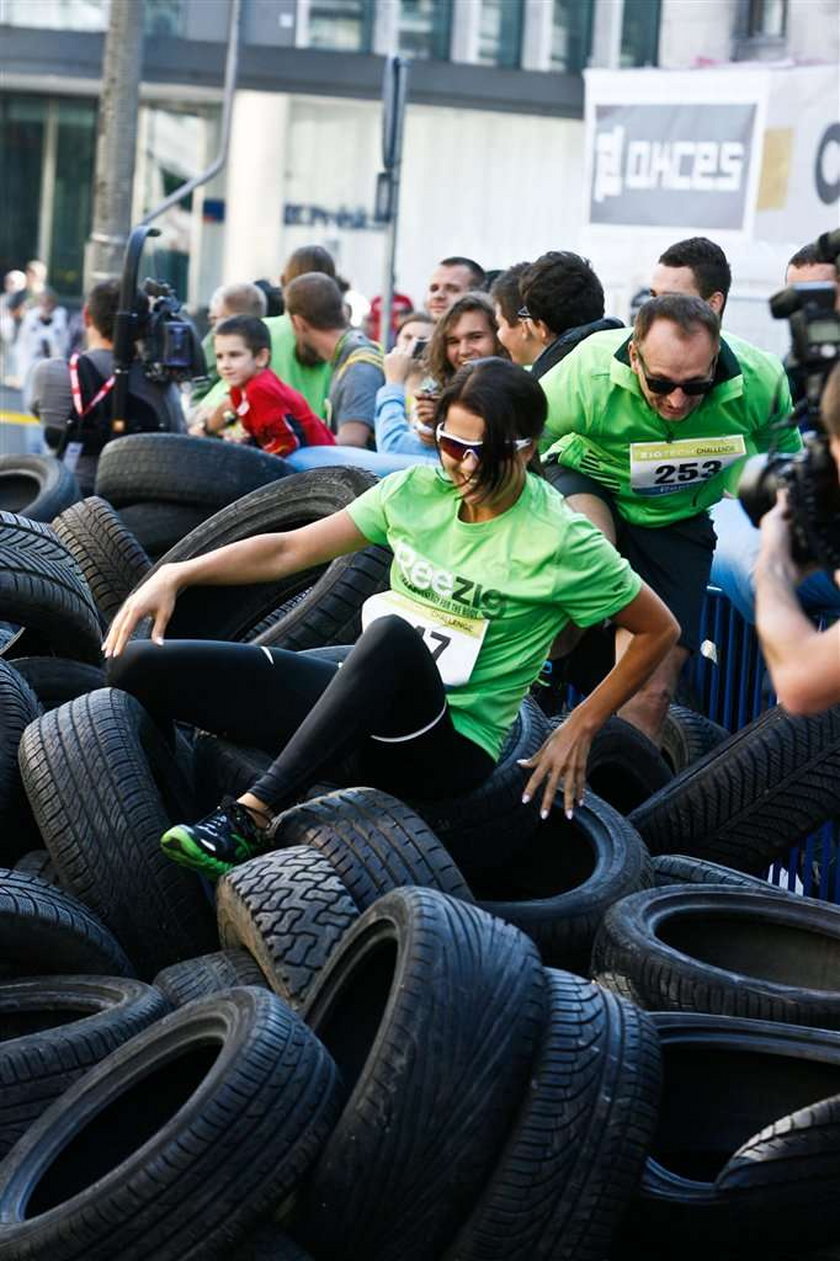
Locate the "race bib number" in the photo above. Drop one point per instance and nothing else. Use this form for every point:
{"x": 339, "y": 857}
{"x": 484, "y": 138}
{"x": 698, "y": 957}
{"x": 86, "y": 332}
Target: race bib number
{"x": 453, "y": 641}
{"x": 71, "y": 455}
{"x": 662, "y": 468}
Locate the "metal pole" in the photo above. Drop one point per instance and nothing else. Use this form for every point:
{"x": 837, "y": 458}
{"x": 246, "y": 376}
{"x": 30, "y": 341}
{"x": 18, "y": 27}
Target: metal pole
{"x": 231, "y": 70}
{"x": 394, "y": 94}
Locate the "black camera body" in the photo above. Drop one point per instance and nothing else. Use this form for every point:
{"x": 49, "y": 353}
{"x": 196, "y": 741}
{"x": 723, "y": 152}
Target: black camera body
{"x": 167, "y": 342}
{"x": 809, "y": 477}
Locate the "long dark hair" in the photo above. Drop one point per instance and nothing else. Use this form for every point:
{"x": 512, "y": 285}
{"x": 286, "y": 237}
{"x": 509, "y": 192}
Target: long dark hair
{"x": 437, "y": 363}
{"x": 511, "y": 404}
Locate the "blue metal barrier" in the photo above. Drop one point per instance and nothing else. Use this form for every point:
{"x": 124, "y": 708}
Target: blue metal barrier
{"x": 730, "y": 684}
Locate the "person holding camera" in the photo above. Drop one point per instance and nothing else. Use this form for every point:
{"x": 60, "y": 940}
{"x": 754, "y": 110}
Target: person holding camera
{"x": 804, "y": 662}
{"x": 74, "y": 398}
{"x": 489, "y": 565}
{"x": 466, "y": 331}
{"x": 645, "y": 432}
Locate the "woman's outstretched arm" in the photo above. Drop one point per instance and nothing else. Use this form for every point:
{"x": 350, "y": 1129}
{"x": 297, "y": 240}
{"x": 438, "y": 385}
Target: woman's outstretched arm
{"x": 263, "y": 558}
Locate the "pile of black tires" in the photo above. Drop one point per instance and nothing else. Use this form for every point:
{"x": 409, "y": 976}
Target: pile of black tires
{"x": 360, "y": 1046}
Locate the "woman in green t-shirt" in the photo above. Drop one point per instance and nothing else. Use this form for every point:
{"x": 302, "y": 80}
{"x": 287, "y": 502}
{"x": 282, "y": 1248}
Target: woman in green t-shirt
{"x": 489, "y": 565}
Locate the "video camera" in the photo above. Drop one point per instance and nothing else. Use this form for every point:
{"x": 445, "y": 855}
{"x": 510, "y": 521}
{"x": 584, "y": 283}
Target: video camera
{"x": 810, "y": 476}
{"x": 167, "y": 342}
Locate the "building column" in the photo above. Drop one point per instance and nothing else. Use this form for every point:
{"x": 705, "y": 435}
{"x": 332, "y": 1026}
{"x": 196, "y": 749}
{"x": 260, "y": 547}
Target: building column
{"x": 466, "y": 23}
{"x": 255, "y": 187}
{"x": 606, "y": 34}
{"x": 538, "y": 22}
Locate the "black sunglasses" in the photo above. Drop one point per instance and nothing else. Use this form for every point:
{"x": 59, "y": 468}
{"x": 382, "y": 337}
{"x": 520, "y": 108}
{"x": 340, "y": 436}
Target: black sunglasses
{"x": 662, "y": 385}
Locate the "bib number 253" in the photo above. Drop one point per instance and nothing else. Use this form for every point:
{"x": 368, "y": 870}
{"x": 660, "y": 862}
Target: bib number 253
{"x": 686, "y": 471}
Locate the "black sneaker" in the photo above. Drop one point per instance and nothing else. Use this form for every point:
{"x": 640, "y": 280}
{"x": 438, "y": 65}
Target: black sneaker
{"x": 214, "y": 845}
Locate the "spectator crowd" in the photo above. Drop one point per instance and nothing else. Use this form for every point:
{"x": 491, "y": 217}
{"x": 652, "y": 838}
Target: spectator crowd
{"x": 648, "y": 427}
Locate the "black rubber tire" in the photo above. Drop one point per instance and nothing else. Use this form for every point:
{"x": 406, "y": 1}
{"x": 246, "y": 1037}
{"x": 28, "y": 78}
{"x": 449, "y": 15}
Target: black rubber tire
{"x": 178, "y": 1143}
{"x": 179, "y": 469}
{"x": 575, "y": 1153}
{"x": 624, "y": 767}
{"x": 208, "y": 974}
{"x": 374, "y": 842}
{"x": 331, "y": 611}
{"x": 734, "y": 952}
{"x": 160, "y": 526}
{"x": 492, "y": 816}
{"x": 104, "y": 786}
{"x": 51, "y": 599}
{"x": 57, "y": 1027}
{"x": 37, "y": 862}
{"x": 269, "y": 1243}
{"x": 108, "y": 554}
{"x": 56, "y": 680}
{"x": 44, "y": 930}
{"x": 289, "y": 910}
{"x": 36, "y": 486}
{"x": 671, "y": 869}
{"x": 687, "y": 736}
{"x": 433, "y": 1012}
{"x": 232, "y": 612}
{"x": 571, "y": 873}
{"x": 741, "y": 1165}
{"x": 19, "y": 706}
{"x": 750, "y": 799}
{"x": 34, "y": 537}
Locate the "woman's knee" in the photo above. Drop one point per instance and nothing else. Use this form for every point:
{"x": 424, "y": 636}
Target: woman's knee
{"x": 131, "y": 666}
{"x": 390, "y": 632}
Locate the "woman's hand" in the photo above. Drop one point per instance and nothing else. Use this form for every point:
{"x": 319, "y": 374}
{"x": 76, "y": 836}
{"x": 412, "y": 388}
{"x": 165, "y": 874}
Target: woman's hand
{"x": 155, "y": 599}
{"x": 561, "y": 763}
{"x": 397, "y": 365}
{"x": 425, "y": 406}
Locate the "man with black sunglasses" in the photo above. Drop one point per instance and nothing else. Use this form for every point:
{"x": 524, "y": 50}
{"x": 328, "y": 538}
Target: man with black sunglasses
{"x": 645, "y": 433}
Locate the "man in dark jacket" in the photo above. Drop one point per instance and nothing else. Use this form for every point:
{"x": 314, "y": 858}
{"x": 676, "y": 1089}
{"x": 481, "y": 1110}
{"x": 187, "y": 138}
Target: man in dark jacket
{"x": 563, "y": 301}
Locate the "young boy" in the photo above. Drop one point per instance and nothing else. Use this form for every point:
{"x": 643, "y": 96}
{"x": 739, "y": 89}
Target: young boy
{"x": 275, "y": 416}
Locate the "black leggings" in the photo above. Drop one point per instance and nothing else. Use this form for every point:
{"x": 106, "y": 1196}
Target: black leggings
{"x": 380, "y": 719}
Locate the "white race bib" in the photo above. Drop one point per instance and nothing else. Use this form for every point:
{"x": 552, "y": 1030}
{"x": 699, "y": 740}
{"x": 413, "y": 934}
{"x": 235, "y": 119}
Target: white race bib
{"x": 453, "y": 641}
{"x": 661, "y": 468}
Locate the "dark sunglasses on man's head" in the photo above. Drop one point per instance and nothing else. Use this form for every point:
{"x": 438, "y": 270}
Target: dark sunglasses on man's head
{"x": 458, "y": 449}
{"x": 523, "y": 313}
{"x": 662, "y": 385}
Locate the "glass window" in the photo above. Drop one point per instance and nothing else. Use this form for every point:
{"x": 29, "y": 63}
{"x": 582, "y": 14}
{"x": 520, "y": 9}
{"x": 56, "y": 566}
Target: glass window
{"x": 164, "y": 17}
{"x": 571, "y": 34}
{"x": 424, "y": 27}
{"x": 72, "y": 196}
{"x": 640, "y": 33}
{"x": 500, "y": 33}
{"x": 58, "y": 15}
{"x": 767, "y": 17}
{"x": 344, "y": 25}
{"x": 22, "y": 129}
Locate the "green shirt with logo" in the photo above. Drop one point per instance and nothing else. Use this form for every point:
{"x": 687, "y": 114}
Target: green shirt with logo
{"x": 600, "y": 423}
{"x": 526, "y": 572}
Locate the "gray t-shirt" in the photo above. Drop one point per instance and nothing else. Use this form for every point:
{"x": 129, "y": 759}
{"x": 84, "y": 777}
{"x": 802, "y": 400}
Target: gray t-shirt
{"x": 357, "y": 375}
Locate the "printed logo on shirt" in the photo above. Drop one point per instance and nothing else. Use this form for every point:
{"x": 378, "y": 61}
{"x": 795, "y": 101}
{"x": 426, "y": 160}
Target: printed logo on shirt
{"x": 444, "y": 587}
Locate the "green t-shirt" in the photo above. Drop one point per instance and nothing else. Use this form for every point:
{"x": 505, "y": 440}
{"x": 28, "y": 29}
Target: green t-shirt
{"x": 312, "y": 382}
{"x": 596, "y": 410}
{"x": 527, "y": 572}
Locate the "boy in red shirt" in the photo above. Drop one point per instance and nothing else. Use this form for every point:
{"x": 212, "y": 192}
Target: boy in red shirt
{"x": 275, "y": 416}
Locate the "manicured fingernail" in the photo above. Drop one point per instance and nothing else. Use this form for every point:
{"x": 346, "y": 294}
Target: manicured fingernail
{"x": 569, "y": 814}
{"x": 157, "y": 639}
{"x": 543, "y": 814}
{"x": 522, "y": 761}
{"x": 525, "y": 798}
